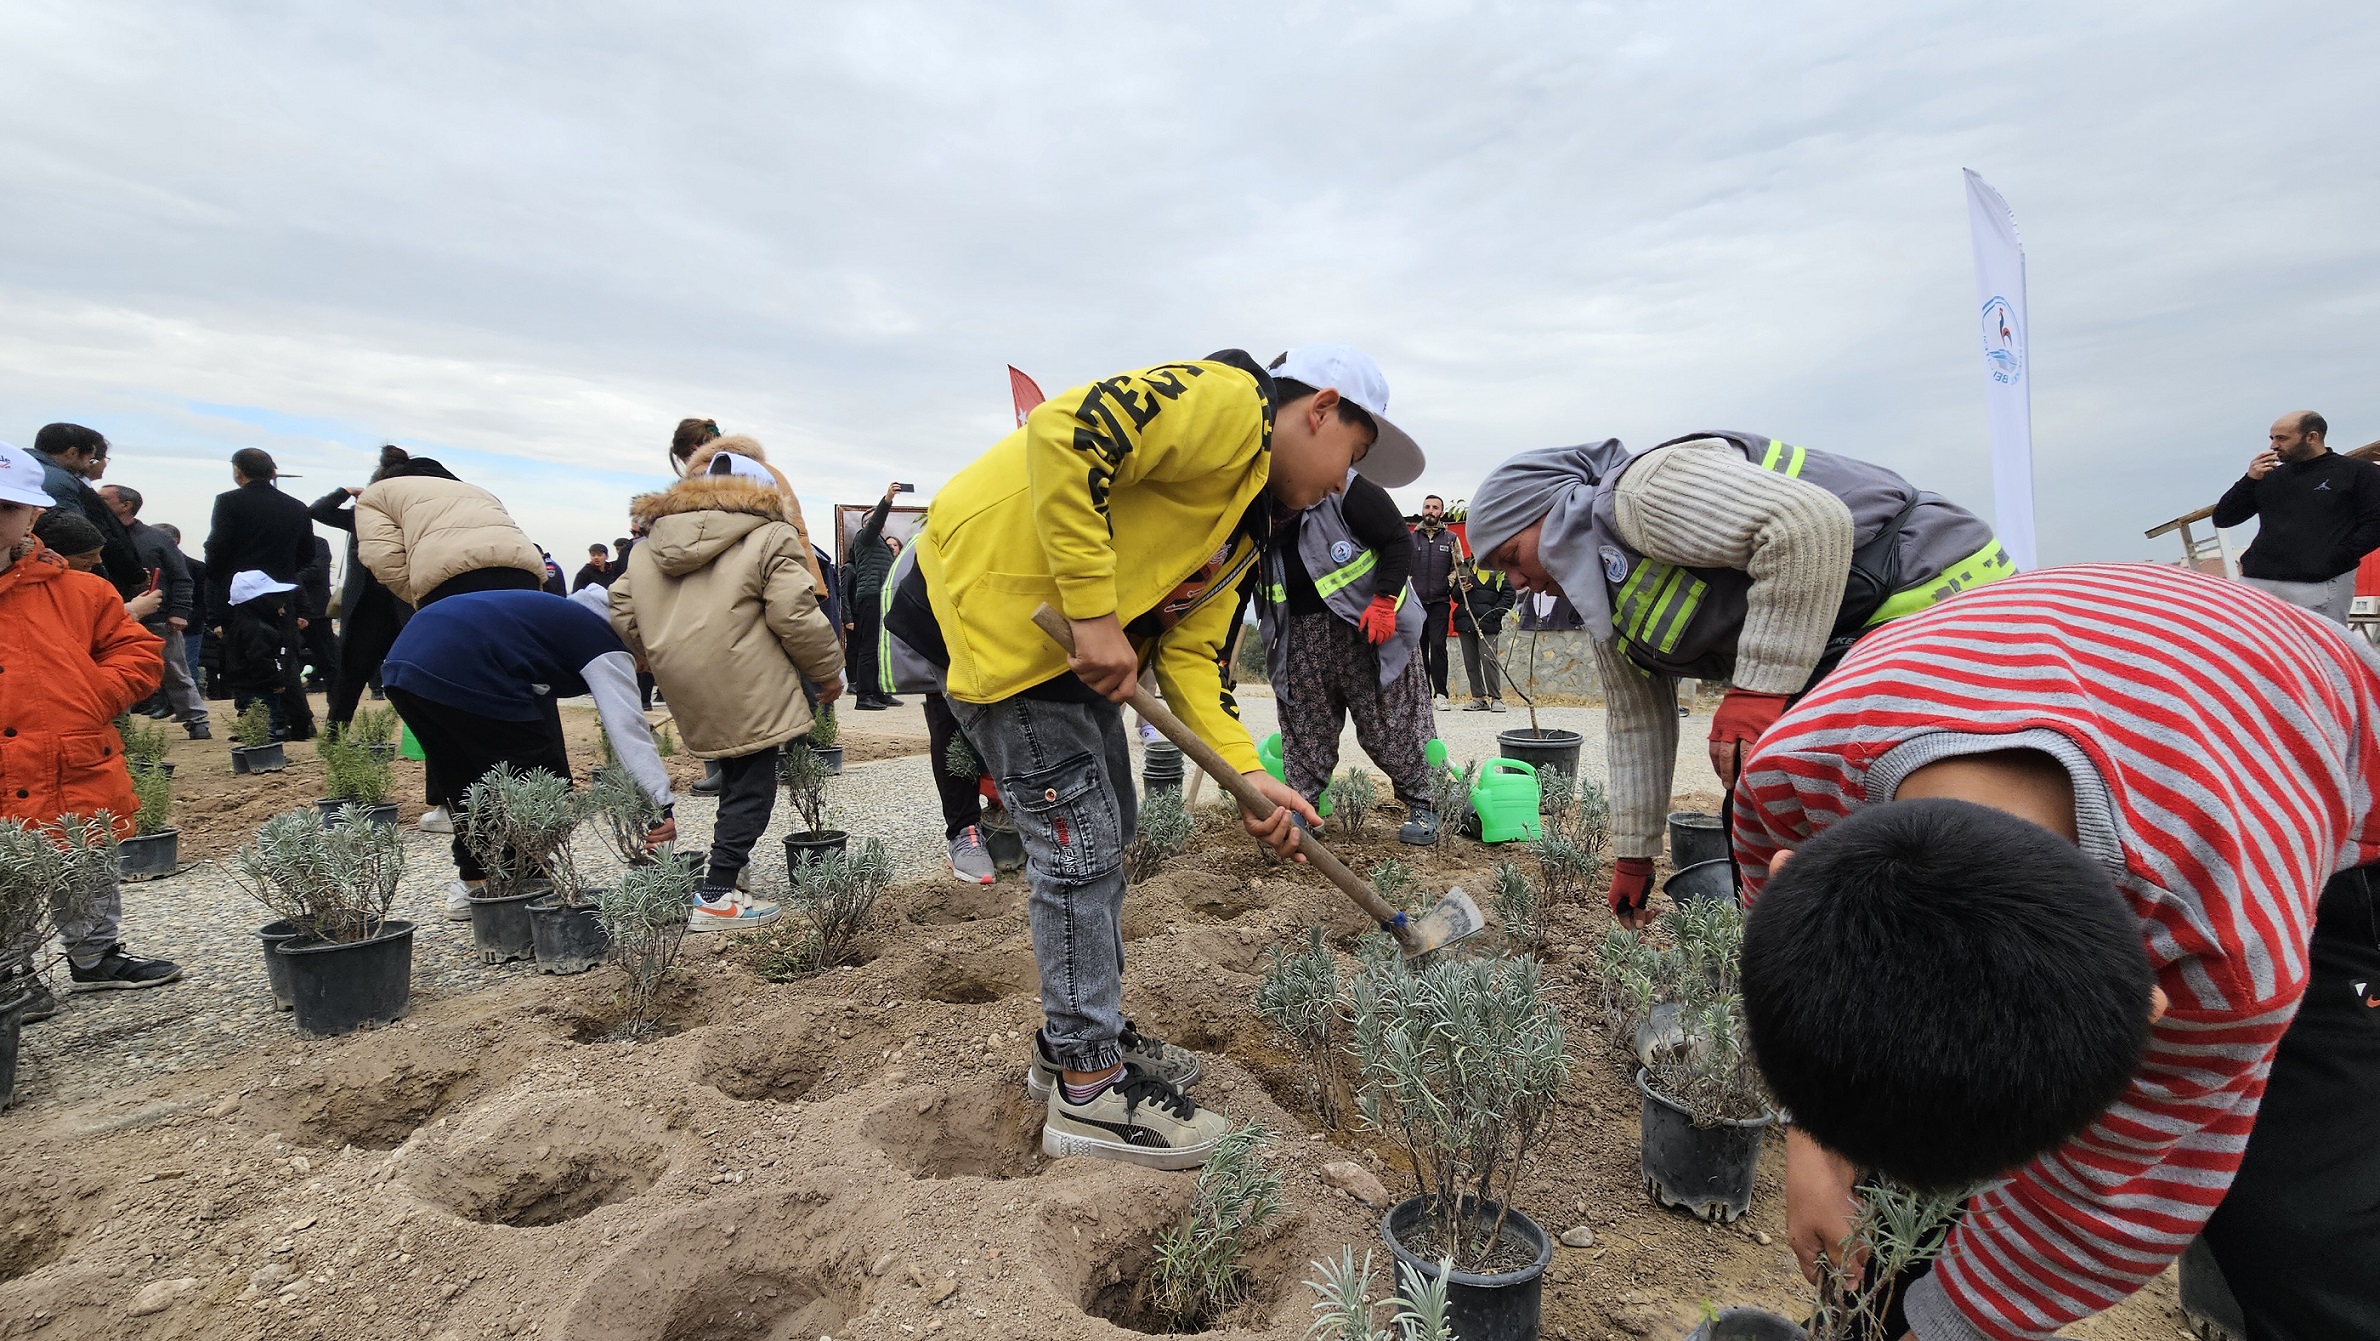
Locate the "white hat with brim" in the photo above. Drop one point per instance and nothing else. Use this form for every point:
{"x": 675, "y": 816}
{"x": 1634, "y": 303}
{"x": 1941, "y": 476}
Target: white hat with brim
{"x": 247, "y": 586}
{"x": 1395, "y": 459}
{"x": 20, "y": 478}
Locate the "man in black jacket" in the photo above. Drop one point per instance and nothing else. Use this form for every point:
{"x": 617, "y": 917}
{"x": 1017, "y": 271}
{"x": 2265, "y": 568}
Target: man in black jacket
{"x": 1436, "y": 553}
{"x": 2318, "y": 515}
{"x": 160, "y": 555}
{"x": 71, "y": 457}
{"x": 863, "y": 605}
{"x": 258, "y": 528}
{"x": 314, "y": 589}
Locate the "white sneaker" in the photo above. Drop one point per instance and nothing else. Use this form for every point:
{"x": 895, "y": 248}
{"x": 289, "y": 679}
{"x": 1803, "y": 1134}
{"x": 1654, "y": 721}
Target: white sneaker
{"x": 729, "y": 914}
{"x": 436, "y": 820}
{"x": 458, "y": 901}
{"x": 1439, "y": 703}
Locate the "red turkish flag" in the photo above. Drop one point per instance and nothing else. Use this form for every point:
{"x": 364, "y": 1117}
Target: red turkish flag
{"x": 1027, "y": 395}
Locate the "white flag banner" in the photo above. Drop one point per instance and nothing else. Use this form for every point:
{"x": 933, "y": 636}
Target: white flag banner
{"x": 2008, "y": 388}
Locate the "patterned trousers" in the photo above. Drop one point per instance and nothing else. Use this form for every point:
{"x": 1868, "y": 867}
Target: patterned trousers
{"x": 1333, "y": 675}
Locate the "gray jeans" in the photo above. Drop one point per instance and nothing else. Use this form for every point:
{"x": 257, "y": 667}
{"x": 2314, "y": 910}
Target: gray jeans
{"x": 1065, "y": 772}
{"x": 181, "y": 691}
{"x": 86, "y": 938}
{"x": 2330, "y": 600}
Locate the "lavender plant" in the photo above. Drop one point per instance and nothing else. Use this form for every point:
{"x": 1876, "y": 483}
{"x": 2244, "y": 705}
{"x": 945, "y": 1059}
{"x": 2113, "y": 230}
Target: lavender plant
{"x": 336, "y": 881}
{"x": 1163, "y": 830}
{"x": 518, "y": 825}
{"x": 835, "y": 893}
{"x": 1352, "y": 796}
{"x": 644, "y": 913}
{"x": 1898, "y": 1227}
{"x": 49, "y": 874}
{"x": 1197, "y": 1272}
{"x": 1518, "y": 909}
{"x": 1299, "y": 995}
{"x": 804, "y": 774}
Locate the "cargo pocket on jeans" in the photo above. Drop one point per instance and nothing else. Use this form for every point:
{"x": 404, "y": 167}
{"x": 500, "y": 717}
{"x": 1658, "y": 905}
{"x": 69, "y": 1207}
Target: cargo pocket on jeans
{"x": 1066, "y": 818}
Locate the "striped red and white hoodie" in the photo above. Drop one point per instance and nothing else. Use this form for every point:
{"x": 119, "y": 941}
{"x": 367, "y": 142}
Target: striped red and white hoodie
{"x": 2223, "y": 748}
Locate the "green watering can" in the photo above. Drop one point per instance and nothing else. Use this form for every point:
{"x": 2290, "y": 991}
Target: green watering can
{"x": 1506, "y": 800}
{"x": 1269, "y": 754}
{"x": 407, "y": 746}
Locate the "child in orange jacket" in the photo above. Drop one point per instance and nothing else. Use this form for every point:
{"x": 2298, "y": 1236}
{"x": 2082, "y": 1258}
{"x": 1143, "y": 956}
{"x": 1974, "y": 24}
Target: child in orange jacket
{"x": 73, "y": 661}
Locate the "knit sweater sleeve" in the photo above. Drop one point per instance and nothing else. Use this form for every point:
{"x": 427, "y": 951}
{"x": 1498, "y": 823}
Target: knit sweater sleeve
{"x": 1642, "y": 734}
{"x": 1701, "y": 505}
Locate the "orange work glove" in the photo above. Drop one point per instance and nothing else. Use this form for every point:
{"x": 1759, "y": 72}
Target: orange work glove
{"x": 1631, "y": 886}
{"x": 1379, "y": 620}
{"x": 1742, "y": 716}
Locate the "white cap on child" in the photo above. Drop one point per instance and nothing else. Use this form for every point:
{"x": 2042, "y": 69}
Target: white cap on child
{"x": 20, "y": 478}
{"x": 249, "y": 584}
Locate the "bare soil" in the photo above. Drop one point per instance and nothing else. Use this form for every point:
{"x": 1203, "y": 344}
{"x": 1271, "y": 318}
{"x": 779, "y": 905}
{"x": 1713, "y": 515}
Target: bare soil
{"x": 851, "y": 1155}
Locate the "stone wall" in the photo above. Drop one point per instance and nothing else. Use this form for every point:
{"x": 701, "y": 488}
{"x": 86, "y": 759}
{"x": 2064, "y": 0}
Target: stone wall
{"x": 1562, "y": 660}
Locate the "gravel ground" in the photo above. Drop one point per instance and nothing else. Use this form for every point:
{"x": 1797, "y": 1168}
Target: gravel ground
{"x": 200, "y": 919}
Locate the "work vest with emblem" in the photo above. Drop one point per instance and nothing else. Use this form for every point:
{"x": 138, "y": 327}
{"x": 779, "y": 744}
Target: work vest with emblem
{"x": 1911, "y": 551}
{"x": 1343, "y": 571}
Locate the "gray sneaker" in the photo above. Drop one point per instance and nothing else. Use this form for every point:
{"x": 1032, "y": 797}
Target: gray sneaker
{"x": 1139, "y": 1120}
{"x": 970, "y": 860}
{"x": 1176, "y": 1066}
{"x": 1420, "y": 828}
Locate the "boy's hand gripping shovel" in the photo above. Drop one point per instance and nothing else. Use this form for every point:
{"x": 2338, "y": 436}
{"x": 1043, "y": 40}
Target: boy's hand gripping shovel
{"x": 1454, "y": 916}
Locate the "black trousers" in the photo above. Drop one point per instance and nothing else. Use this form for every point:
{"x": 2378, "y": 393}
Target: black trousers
{"x": 365, "y": 635}
{"x": 462, "y": 746}
{"x": 1434, "y": 618}
{"x": 747, "y": 795}
{"x": 2298, "y": 1235}
{"x": 867, "y": 623}
{"x": 962, "y": 797}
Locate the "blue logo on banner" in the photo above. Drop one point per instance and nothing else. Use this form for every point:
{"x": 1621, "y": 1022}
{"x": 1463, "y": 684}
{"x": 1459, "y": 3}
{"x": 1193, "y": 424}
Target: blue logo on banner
{"x": 2003, "y": 342}
{"x": 1341, "y": 551}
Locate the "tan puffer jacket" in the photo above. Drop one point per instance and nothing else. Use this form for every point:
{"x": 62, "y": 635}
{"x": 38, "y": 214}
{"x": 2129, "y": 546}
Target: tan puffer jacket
{"x": 416, "y": 531}
{"x": 718, "y": 602}
{"x": 744, "y": 446}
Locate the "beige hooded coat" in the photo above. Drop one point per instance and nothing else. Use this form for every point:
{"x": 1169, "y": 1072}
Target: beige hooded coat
{"x": 718, "y": 601}
{"x": 745, "y": 446}
{"x": 417, "y": 531}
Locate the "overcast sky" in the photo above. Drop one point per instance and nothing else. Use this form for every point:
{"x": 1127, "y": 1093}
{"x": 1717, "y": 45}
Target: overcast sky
{"x": 528, "y": 238}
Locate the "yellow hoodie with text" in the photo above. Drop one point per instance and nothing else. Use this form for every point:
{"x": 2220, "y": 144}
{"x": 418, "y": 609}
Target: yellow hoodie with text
{"x": 1110, "y": 498}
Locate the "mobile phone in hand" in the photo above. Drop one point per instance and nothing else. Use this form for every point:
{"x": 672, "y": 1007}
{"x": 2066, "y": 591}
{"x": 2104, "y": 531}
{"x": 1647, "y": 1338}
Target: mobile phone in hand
{"x": 904, "y": 488}
{"x": 156, "y": 575}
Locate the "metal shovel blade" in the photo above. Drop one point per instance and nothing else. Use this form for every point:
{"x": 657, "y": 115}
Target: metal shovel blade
{"x": 1453, "y": 918}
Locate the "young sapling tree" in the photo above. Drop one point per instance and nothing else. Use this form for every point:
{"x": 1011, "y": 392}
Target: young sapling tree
{"x": 1300, "y": 996}
{"x": 644, "y": 913}
{"x": 1163, "y": 830}
{"x": 1197, "y": 1273}
{"x": 1460, "y": 1063}
{"x": 155, "y": 792}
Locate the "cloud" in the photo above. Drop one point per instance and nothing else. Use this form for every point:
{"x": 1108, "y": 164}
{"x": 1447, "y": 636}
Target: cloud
{"x": 532, "y": 238}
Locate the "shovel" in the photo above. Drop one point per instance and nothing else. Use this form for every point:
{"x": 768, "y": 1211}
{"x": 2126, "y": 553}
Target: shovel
{"x": 1454, "y": 917}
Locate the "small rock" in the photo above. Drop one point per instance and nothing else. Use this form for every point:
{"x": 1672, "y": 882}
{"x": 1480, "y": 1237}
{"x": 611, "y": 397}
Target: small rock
{"x": 1579, "y": 1237}
{"x": 882, "y": 1264}
{"x": 300, "y": 1164}
{"x": 1761, "y": 1236}
{"x": 271, "y": 1274}
{"x": 226, "y": 1108}
{"x": 159, "y": 1295}
{"x": 302, "y": 1226}
{"x": 1357, "y": 1181}
{"x": 942, "y": 1291}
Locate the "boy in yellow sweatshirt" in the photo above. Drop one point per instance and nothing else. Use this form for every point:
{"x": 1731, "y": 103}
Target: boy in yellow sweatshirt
{"x": 1136, "y": 506}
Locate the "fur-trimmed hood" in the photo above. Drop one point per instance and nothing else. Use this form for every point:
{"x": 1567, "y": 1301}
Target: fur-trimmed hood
{"x": 690, "y": 524}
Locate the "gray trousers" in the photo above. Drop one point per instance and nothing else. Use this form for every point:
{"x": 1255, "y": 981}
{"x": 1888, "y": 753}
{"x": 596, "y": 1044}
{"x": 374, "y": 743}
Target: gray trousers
{"x": 2330, "y": 600}
{"x": 1065, "y": 771}
{"x": 747, "y": 794}
{"x": 86, "y": 937}
{"x": 1479, "y": 665}
{"x": 180, "y": 689}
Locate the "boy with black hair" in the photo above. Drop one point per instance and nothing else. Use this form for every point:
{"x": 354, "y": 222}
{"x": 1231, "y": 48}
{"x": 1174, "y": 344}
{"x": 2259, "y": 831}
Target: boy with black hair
{"x": 2066, "y": 884}
{"x": 1135, "y": 506}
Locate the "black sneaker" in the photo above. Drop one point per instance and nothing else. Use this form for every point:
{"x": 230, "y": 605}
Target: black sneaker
{"x": 44, "y": 1003}
{"x": 198, "y": 730}
{"x": 118, "y": 971}
{"x": 1420, "y": 828}
{"x": 1176, "y": 1066}
{"x": 868, "y": 705}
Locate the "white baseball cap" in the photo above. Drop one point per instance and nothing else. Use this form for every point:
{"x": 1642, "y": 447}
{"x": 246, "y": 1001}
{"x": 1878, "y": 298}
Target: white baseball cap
{"x": 1395, "y": 459}
{"x": 20, "y": 478}
{"x": 249, "y": 584}
{"x": 730, "y": 463}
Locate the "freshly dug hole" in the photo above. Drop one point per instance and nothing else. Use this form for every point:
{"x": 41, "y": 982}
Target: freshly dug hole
{"x": 975, "y": 979}
{"x": 977, "y": 1129}
{"x": 562, "y": 1185}
{"x": 373, "y": 1096}
{"x": 762, "y": 1063}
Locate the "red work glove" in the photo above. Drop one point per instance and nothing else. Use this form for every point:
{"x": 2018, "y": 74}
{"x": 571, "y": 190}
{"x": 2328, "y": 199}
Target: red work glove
{"x": 1378, "y": 622}
{"x": 1742, "y": 716}
{"x": 1631, "y": 886}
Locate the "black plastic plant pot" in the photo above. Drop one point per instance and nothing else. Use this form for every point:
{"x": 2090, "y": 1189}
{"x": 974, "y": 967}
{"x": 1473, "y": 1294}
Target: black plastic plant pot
{"x": 383, "y": 750}
{"x": 801, "y": 848}
{"x": 1541, "y": 750}
{"x": 12, "y": 1026}
{"x": 1748, "y": 1324}
{"x": 149, "y": 855}
{"x": 1703, "y": 1170}
{"x": 276, "y": 969}
{"x": 1161, "y": 767}
{"x": 501, "y": 928}
{"x": 165, "y": 766}
{"x": 1695, "y": 838}
{"x": 1504, "y": 1306}
{"x": 384, "y": 814}
{"x": 831, "y": 756}
{"x": 258, "y": 758}
{"x": 567, "y": 940}
{"x": 1711, "y": 880}
{"x": 1006, "y": 846}
{"x": 337, "y": 987}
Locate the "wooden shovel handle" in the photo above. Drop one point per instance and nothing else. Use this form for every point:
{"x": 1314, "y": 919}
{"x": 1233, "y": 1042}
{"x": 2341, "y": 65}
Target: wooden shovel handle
{"x": 1251, "y": 800}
